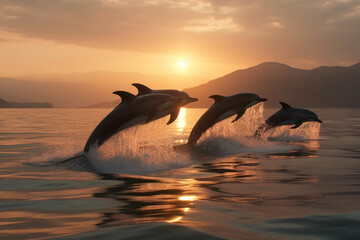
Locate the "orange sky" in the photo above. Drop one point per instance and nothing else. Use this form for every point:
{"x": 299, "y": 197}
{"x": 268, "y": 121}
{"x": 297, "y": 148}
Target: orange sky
{"x": 210, "y": 37}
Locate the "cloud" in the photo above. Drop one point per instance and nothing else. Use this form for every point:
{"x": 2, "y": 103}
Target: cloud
{"x": 231, "y": 30}
{"x": 210, "y": 24}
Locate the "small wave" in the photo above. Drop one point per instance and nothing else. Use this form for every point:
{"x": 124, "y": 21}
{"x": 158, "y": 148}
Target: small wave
{"x": 222, "y": 145}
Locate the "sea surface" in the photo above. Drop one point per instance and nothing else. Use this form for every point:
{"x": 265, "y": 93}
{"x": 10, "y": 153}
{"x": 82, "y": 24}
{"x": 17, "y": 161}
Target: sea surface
{"x": 290, "y": 184}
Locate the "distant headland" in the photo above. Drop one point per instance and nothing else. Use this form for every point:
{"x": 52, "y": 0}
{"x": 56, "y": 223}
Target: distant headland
{"x": 6, "y": 104}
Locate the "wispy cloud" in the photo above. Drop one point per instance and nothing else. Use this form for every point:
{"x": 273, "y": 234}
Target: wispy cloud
{"x": 211, "y": 24}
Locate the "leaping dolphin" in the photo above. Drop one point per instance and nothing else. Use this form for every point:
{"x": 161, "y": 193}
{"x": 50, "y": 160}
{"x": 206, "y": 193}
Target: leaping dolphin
{"x": 133, "y": 110}
{"x": 223, "y": 108}
{"x": 287, "y": 115}
{"x": 182, "y": 97}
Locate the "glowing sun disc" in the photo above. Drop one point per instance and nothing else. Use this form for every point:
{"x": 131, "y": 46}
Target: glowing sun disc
{"x": 182, "y": 64}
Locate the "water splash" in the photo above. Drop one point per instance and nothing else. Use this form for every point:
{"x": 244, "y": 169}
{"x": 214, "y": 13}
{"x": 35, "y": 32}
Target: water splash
{"x": 139, "y": 150}
{"x": 245, "y": 126}
{"x": 307, "y": 131}
{"x": 230, "y": 138}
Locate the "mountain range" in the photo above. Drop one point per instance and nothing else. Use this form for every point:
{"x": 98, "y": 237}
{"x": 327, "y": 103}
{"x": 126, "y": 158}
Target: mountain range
{"x": 82, "y": 89}
{"x": 6, "y": 104}
{"x": 319, "y": 87}
{"x": 336, "y": 86}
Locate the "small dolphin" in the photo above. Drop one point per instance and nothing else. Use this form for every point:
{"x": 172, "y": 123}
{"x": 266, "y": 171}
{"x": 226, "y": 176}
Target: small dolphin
{"x": 180, "y": 96}
{"x": 287, "y": 115}
{"x": 133, "y": 110}
{"x": 223, "y": 108}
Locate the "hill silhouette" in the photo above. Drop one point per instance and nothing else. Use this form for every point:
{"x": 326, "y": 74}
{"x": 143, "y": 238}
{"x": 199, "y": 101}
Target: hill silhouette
{"x": 61, "y": 94}
{"x": 6, "y": 104}
{"x": 319, "y": 87}
{"x": 82, "y": 89}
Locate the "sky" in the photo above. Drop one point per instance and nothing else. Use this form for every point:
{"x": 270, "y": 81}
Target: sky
{"x": 203, "y": 38}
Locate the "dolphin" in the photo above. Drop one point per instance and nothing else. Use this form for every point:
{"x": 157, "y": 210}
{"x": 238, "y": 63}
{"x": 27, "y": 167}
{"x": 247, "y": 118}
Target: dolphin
{"x": 287, "y": 115}
{"x": 182, "y": 97}
{"x": 223, "y": 108}
{"x": 133, "y": 110}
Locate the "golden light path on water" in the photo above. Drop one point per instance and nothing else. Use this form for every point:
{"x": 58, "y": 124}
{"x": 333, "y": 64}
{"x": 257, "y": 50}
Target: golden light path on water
{"x": 181, "y": 121}
{"x": 186, "y": 209}
{"x": 181, "y": 125}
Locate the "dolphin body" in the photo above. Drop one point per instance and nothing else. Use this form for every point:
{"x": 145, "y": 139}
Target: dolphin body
{"x": 182, "y": 97}
{"x": 223, "y": 108}
{"x": 133, "y": 110}
{"x": 287, "y": 115}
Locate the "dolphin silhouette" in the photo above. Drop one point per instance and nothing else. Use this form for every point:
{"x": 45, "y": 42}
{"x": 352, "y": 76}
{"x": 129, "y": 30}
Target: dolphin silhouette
{"x": 182, "y": 97}
{"x": 223, "y": 108}
{"x": 287, "y": 115}
{"x": 133, "y": 110}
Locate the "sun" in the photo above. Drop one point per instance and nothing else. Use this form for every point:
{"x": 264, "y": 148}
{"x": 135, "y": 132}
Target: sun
{"x": 181, "y": 64}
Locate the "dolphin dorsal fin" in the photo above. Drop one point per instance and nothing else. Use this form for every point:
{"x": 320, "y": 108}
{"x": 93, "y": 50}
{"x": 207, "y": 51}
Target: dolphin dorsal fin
{"x": 285, "y": 105}
{"x": 217, "y": 98}
{"x": 142, "y": 89}
{"x": 125, "y": 96}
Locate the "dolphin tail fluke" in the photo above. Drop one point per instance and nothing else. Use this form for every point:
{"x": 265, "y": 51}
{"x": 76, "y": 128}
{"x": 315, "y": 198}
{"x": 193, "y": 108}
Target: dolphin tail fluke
{"x": 142, "y": 89}
{"x": 174, "y": 115}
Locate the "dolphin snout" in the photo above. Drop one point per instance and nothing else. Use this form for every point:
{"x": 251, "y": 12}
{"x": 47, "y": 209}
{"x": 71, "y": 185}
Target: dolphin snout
{"x": 188, "y": 100}
{"x": 192, "y": 100}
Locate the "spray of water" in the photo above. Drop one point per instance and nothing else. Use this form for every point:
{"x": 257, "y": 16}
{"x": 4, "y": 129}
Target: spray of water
{"x": 227, "y": 137}
{"x": 139, "y": 150}
{"x": 307, "y": 131}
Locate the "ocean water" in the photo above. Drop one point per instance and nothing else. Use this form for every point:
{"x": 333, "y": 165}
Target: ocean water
{"x": 290, "y": 184}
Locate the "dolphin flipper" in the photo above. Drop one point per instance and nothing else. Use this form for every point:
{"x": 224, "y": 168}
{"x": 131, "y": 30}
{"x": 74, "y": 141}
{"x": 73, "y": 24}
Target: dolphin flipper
{"x": 239, "y": 115}
{"x": 173, "y": 116}
{"x": 296, "y": 125}
{"x": 142, "y": 89}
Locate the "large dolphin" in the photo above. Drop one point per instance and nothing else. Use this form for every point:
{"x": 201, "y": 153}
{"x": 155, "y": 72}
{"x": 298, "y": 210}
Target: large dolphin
{"x": 133, "y": 110}
{"x": 287, "y": 115}
{"x": 223, "y": 108}
{"x": 182, "y": 97}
